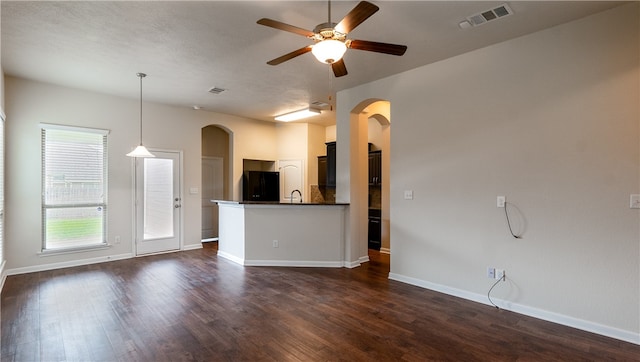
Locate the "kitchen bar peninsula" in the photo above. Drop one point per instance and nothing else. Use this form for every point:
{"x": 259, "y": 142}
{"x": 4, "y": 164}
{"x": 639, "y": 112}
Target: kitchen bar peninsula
{"x": 282, "y": 234}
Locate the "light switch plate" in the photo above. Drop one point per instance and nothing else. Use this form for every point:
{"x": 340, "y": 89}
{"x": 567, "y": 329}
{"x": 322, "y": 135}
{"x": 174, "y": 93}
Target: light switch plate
{"x": 634, "y": 201}
{"x": 193, "y": 190}
{"x": 408, "y": 194}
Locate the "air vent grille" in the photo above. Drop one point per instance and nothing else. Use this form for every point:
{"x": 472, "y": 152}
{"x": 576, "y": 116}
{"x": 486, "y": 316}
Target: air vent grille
{"x": 489, "y": 15}
{"x": 216, "y": 90}
{"x": 319, "y": 104}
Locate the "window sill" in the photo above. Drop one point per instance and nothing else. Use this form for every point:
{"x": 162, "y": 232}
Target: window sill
{"x": 80, "y": 249}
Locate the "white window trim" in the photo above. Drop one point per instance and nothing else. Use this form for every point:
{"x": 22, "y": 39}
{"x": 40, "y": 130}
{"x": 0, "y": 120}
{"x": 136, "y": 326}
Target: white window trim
{"x": 76, "y": 249}
{"x": 103, "y": 132}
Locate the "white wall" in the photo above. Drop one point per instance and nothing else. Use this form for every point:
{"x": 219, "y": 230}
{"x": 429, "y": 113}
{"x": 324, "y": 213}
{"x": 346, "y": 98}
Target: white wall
{"x": 302, "y": 141}
{"x": 2, "y": 244}
{"x": 330, "y": 133}
{"x": 316, "y": 147}
{"x": 1, "y": 87}
{"x": 29, "y": 103}
{"x": 292, "y": 139}
{"x": 551, "y": 120}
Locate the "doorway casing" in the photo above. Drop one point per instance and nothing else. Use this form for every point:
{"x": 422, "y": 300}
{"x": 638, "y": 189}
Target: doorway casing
{"x": 352, "y": 175}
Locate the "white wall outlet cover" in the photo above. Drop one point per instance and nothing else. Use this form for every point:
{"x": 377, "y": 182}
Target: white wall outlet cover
{"x": 408, "y": 194}
{"x": 501, "y": 200}
{"x": 634, "y": 201}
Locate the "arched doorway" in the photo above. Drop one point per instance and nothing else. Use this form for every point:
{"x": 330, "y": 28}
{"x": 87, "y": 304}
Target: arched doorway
{"x": 216, "y": 173}
{"x": 353, "y": 168}
{"x": 378, "y": 181}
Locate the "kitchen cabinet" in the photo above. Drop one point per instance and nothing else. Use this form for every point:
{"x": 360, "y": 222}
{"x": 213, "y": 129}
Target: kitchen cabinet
{"x": 322, "y": 170}
{"x": 375, "y": 229}
{"x": 331, "y": 164}
{"x": 375, "y": 168}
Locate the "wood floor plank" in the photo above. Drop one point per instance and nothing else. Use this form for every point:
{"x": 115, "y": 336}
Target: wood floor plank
{"x": 192, "y": 306}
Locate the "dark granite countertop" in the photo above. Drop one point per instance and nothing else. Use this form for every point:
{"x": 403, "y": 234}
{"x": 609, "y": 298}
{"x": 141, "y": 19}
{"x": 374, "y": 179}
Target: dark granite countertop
{"x": 278, "y": 203}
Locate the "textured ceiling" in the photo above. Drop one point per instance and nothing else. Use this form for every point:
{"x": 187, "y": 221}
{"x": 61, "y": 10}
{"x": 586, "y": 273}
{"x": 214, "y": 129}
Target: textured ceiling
{"x": 187, "y": 47}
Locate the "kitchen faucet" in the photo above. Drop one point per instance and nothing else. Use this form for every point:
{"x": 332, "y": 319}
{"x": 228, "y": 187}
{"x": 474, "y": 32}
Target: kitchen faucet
{"x": 291, "y": 196}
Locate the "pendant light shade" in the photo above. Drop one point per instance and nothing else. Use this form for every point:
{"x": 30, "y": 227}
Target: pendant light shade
{"x": 140, "y": 151}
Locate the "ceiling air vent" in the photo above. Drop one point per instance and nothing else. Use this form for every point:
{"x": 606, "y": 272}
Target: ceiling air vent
{"x": 216, "y": 90}
{"x": 487, "y": 16}
{"x": 319, "y": 104}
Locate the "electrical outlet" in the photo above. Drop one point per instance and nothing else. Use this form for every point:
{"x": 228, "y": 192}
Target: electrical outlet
{"x": 275, "y": 243}
{"x": 491, "y": 272}
{"x": 499, "y": 274}
{"x": 116, "y": 239}
{"x": 501, "y": 200}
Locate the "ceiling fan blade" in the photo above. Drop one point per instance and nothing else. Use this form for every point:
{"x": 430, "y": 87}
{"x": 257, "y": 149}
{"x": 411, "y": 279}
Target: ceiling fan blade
{"x": 286, "y": 27}
{"x": 291, "y": 55}
{"x": 372, "y": 46}
{"x": 356, "y": 16}
{"x": 339, "y": 69}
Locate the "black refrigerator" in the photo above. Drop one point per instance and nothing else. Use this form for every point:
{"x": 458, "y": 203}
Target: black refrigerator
{"x": 261, "y": 186}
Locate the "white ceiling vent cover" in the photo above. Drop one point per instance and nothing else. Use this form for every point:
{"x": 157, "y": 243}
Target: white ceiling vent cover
{"x": 216, "y": 90}
{"x": 489, "y": 15}
{"x": 319, "y": 104}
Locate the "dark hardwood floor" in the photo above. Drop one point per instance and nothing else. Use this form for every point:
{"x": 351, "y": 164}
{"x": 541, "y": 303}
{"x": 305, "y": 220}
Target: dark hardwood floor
{"x": 193, "y": 306}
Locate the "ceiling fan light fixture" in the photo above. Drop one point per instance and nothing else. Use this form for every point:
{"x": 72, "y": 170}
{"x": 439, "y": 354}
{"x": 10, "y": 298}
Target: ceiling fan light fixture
{"x": 296, "y": 115}
{"x": 329, "y": 51}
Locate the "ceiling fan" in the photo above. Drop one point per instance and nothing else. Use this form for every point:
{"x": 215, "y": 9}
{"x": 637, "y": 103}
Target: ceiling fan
{"x": 331, "y": 38}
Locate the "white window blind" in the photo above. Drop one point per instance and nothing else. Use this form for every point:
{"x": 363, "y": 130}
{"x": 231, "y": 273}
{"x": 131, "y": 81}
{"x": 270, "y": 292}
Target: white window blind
{"x": 74, "y": 187}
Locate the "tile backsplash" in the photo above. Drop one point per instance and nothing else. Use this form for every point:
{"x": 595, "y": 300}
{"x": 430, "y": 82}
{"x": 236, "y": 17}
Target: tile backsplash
{"x": 327, "y": 195}
{"x": 323, "y": 195}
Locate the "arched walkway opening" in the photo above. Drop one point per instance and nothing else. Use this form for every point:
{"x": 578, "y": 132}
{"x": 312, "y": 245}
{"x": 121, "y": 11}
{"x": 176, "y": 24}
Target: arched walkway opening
{"x": 217, "y": 173}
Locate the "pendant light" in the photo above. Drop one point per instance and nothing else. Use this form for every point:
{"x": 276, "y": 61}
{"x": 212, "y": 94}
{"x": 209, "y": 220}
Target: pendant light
{"x": 140, "y": 151}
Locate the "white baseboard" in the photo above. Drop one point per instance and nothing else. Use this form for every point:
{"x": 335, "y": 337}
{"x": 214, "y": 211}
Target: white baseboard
{"x": 192, "y": 246}
{"x": 577, "y": 323}
{"x": 230, "y": 257}
{"x": 351, "y": 264}
{"x": 295, "y": 263}
{"x": 67, "y": 264}
{"x": 3, "y": 275}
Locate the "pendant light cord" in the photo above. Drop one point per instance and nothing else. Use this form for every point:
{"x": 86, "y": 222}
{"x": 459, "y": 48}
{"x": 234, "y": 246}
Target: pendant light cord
{"x": 141, "y": 75}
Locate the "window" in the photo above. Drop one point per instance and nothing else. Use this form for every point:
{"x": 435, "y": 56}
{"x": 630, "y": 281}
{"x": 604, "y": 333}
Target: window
{"x": 74, "y": 187}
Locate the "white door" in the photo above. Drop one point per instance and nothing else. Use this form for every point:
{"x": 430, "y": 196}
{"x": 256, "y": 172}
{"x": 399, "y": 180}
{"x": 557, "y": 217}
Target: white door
{"x": 158, "y": 203}
{"x": 212, "y": 189}
{"x": 291, "y": 178}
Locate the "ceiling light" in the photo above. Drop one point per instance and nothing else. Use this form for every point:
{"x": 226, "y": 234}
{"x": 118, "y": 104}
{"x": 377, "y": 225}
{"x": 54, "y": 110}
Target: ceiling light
{"x": 329, "y": 51}
{"x": 140, "y": 151}
{"x": 294, "y": 116}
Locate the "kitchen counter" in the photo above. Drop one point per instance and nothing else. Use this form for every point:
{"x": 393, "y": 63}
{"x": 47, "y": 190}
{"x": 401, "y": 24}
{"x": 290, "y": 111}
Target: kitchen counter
{"x": 277, "y": 203}
{"x": 282, "y": 234}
